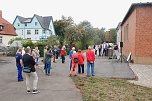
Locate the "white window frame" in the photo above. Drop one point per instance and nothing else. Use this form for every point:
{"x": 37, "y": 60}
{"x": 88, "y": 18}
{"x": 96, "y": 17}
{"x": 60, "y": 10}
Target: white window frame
{"x": 28, "y": 32}
{"x": 36, "y": 31}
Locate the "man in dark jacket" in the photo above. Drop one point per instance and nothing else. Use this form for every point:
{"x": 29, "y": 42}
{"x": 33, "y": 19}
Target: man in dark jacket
{"x": 28, "y": 61}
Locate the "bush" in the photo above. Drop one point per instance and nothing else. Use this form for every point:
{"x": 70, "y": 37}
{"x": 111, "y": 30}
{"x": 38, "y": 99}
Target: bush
{"x": 41, "y": 46}
{"x": 27, "y": 43}
{"x": 12, "y": 51}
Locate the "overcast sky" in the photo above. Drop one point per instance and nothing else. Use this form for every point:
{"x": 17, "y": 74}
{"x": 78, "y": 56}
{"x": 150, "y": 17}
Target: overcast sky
{"x": 101, "y": 13}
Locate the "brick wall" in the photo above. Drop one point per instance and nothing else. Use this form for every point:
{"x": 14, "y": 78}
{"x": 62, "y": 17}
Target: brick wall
{"x": 139, "y": 41}
{"x": 129, "y": 44}
{"x": 144, "y": 32}
{"x": 144, "y": 35}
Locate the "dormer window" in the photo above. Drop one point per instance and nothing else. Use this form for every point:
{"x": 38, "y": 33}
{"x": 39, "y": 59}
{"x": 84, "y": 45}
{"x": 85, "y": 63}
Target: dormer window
{"x": 1, "y": 27}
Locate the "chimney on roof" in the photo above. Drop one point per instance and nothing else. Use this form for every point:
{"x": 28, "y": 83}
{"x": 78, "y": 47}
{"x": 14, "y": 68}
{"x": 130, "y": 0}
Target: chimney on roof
{"x": 0, "y": 13}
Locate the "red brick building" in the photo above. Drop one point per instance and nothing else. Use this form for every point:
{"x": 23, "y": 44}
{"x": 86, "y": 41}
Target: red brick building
{"x": 137, "y": 33}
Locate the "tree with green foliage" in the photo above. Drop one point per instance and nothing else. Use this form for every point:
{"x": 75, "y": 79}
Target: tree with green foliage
{"x": 98, "y": 35}
{"x": 71, "y": 36}
{"x": 12, "y": 40}
{"x": 110, "y": 35}
{"x": 53, "y": 40}
{"x": 85, "y": 34}
{"x": 113, "y": 34}
{"x": 60, "y": 26}
{"x": 27, "y": 43}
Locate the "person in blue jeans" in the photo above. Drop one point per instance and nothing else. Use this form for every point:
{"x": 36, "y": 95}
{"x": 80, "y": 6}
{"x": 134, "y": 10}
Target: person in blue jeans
{"x": 70, "y": 56}
{"x": 19, "y": 64}
{"x": 48, "y": 62}
{"x": 90, "y": 55}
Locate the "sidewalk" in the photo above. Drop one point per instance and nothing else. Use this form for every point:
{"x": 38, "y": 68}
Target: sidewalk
{"x": 144, "y": 74}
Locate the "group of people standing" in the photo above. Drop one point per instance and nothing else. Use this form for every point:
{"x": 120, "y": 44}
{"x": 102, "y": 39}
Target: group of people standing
{"x": 77, "y": 61}
{"x": 54, "y": 53}
{"x": 29, "y": 59}
{"x": 107, "y": 49}
{"x": 102, "y": 49}
{"x": 49, "y": 53}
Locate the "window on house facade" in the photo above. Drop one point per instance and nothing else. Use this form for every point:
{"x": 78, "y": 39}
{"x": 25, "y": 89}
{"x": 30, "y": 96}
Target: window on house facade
{"x": 36, "y": 31}
{"x": 29, "y": 38}
{"x": 1, "y": 39}
{"x": 1, "y": 27}
{"x": 126, "y": 32}
{"x": 18, "y": 24}
{"x": 44, "y": 31}
{"x": 50, "y": 27}
{"x": 22, "y": 32}
{"x": 50, "y": 32}
{"x": 28, "y": 31}
{"x": 35, "y": 23}
{"x": 25, "y": 24}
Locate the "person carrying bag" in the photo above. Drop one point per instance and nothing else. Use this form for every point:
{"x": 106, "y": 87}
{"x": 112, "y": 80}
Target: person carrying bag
{"x": 30, "y": 72}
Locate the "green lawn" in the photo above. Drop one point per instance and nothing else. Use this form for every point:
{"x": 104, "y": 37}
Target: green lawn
{"x": 104, "y": 89}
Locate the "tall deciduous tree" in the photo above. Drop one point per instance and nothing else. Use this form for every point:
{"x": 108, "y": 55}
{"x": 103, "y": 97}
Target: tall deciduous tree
{"x": 85, "y": 33}
{"x": 60, "y": 26}
{"x": 110, "y": 35}
{"x": 71, "y": 35}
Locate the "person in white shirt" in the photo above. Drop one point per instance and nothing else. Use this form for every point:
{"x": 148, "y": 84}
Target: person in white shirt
{"x": 23, "y": 51}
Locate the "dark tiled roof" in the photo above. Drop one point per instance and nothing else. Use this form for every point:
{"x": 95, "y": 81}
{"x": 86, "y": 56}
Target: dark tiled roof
{"x": 21, "y": 19}
{"x": 44, "y": 21}
{"x": 8, "y": 28}
{"x": 132, "y": 7}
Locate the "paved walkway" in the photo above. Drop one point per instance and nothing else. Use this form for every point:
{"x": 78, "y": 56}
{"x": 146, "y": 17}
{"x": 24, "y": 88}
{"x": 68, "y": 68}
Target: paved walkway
{"x": 144, "y": 74}
{"x": 110, "y": 68}
{"x": 58, "y": 86}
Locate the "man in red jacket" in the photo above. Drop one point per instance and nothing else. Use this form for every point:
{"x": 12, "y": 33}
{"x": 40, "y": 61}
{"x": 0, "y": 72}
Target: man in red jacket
{"x": 81, "y": 62}
{"x": 90, "y": 55}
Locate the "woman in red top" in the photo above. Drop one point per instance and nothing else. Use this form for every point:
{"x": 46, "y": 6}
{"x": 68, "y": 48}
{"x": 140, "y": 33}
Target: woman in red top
{"x": 81, "y": 62}
{"x": 74, "y": 64}
{"x": 63, "y": 54}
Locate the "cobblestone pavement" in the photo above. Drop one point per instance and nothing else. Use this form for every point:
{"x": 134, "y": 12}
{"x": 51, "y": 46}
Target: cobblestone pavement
{"x": 144, "y": 74}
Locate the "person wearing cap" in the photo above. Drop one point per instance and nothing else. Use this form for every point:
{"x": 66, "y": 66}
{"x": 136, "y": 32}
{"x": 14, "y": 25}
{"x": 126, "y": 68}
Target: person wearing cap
{"x": 90, "y": 55}
{"x": 81, "y": 62}
{"x": 70, "y": 55}
{"x": 74, "y": 63}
